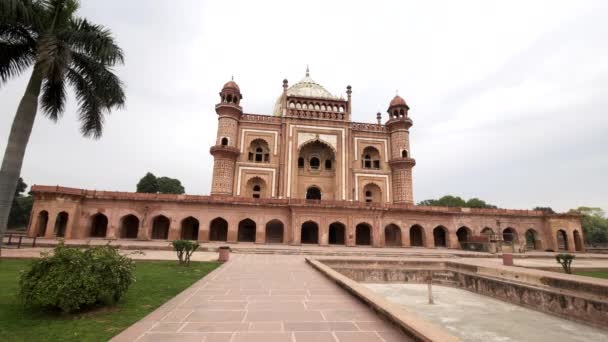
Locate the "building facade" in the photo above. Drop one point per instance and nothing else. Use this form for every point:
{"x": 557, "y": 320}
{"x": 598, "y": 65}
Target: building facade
{"x": 305, "y": 174}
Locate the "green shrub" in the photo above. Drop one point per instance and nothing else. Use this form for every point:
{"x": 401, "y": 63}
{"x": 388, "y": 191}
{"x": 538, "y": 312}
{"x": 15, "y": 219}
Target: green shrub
{"x": 73, "y": 279}
{"x": 184, "y": 250}
{"x": 566, "y": 261}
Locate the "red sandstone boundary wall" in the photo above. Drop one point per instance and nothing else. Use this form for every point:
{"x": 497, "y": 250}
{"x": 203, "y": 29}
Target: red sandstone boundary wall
{"x": 80, "y": 205}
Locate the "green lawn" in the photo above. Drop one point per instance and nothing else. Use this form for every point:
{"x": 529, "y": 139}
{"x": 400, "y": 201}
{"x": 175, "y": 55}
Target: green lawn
{"x": 156, "y": 283}
{"x": 603, "y": 275}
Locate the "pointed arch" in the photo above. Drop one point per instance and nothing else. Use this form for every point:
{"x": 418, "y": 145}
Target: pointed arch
{"x": 99, "y": 226}
{"x": 129, "y": 227}
{"x": 463, "y": 234}
{"x": 42, "y": 223}
{"x": 160, "y": 227}
{"x": 562, "y": 240}
{"x": 218, "y": 229}
{"x": 309, "y": 232}
{"x": 274, "y": 231}
{"x": 532, "y": 239}
{"x": 440, "y": 236}
{"x": 61, "y": 223}
{"x": 363, "y": 234}
{"x": 392, "y": 235}
{"x": 337, "y": 233}
{"x": 190, "y": 228}
{"x": 417, "y": 237}
{"x": 246, "y": 231}
{"x": 509, "y": 235}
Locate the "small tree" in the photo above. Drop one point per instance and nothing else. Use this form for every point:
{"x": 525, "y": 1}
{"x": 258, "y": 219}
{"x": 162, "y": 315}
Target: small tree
{"x": 148, "y": 184}
{"x": 566, "y": 261}
{"x": 184, "y": 250}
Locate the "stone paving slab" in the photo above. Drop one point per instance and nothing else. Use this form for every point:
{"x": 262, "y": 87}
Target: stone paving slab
{"x": 263, "y": 298}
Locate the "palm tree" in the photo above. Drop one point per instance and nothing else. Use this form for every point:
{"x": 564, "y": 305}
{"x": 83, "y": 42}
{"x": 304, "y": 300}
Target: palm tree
{"x": 62, "y": 49}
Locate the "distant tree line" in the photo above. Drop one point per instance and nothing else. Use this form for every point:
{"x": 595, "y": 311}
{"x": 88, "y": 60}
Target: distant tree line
{"x": 456, "y": 201}
{"x": 159, "y": 185}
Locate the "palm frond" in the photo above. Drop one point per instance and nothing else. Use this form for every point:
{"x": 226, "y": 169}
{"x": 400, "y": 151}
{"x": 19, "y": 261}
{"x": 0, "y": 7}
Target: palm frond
{"x": 14, "y": 59}
{"x": 53, "y": 58}
{"x": 105, "y": 84}
{"x": 28, "y": 13}
{"x": 89, "y": 107}
{"x": 93, "y": 40}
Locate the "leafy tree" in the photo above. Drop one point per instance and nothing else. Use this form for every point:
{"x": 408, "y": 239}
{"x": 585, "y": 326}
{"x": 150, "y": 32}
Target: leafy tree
{"x": 477, "y": 203}
{"x": 62, "y": 49}
{"x": 148, "y": 184}
{"x": 21, "y": 208}
{"x": 547, "y": 210}
{"x": 164, "y": 185}
{"x": 594, "y": 223}
{"x": 168, "y": 185}
{"x": 456, "y": 201}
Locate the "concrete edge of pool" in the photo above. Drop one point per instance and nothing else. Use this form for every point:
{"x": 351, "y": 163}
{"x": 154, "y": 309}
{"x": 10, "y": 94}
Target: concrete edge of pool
{"x": 416, "y": 328}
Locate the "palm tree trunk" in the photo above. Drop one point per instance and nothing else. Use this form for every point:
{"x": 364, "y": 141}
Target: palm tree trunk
{"x": 15, "y": 148}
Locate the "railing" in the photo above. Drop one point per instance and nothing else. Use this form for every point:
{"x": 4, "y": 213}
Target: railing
{"x": 260, "y": 118}
{"x": 362, "y": 126}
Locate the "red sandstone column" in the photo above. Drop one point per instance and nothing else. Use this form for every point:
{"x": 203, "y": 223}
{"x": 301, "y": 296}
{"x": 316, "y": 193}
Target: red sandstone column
{"x": 233, "y": 230}
{"x": 429, "y": 239}
{"x": 405, "y": 237}
{"x": 50, "y": 229}
{"x": 350, "y": 233}
{"x": 73, "y": 219}
{"x": 260, "y": 233}
{"x": 324, "y": 233}
{"x": 203, "y": 230}
{"x": 173, "y": 230}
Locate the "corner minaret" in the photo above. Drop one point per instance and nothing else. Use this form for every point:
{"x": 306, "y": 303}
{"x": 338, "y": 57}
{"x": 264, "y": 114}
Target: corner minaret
{"x": 401, "y": 162}
{"x": 225, "y": 151}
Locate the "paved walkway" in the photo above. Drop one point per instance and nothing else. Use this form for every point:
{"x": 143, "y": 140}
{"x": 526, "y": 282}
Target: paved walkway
{"x": 270, "y": 298}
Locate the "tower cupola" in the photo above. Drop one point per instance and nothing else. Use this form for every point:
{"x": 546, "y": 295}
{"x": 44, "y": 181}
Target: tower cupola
{"x": 231, "y": 93}
{"x": 397, "y": 108}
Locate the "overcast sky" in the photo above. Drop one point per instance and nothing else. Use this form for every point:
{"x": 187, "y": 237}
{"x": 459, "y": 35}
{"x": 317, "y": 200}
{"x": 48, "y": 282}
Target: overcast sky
{"x": 509, "y": 99}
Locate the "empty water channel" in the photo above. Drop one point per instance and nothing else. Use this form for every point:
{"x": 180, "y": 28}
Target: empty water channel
{"x": 474, "y": 317}
{"x": 476, "y": 300}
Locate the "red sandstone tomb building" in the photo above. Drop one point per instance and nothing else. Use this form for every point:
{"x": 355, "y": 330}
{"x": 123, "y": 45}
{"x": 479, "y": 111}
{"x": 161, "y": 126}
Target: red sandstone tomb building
{"x": 307, "y": 174}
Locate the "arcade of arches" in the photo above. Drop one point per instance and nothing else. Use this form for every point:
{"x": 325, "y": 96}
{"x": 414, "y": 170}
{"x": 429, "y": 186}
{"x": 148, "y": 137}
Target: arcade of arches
{"x": 307, "y": 230}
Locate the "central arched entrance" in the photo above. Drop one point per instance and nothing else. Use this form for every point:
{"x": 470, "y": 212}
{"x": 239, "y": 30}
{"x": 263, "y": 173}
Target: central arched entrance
{"x": 274, "y": 231}
{"x": 363, "y": 234}
{"x": 190, "y": 228}
{"x": 160, "y": 228}
{"x": 99, "y": 225}
{"x": 337, "y": 233}
{"x": 218, "y": 230}
{"x": 463, "y": 233}
{"x": 417, "y": 236}
{"x": 246, "y": 231}
{"x": 310, "y": 232}
{"x": 392, "y": 236}
{"x": 129, "y": 227}
{"x": 313, "y": 193}
{"x": 440, "y": 236}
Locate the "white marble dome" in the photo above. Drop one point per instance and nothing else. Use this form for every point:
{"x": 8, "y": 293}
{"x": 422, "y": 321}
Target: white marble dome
{"x": 307, "y": 87}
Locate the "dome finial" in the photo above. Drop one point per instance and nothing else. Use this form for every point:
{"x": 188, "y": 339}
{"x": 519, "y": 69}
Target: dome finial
{"x": 307, "y": 71}
{"x": 232, "y": 77}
